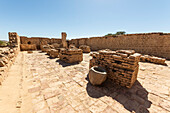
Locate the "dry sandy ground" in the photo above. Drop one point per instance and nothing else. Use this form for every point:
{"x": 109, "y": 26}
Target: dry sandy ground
{"x": 38, "y": 84}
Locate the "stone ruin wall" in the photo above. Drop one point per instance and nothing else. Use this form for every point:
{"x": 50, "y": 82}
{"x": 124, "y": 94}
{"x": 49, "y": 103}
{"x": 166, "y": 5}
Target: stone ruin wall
{"x": 8, "y": 55}
{"x": 157, "y": 44}
{"x": 14, "y": 40}
{"x": 37, "y": 41}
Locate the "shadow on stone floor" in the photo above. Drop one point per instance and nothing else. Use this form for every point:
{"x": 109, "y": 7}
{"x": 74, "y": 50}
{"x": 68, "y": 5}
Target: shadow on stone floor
{"x": 133, "y": 99}
{"x": 64, "y": 64}
{"x": 41, "y": 52}
{"x": 50, "y": 57}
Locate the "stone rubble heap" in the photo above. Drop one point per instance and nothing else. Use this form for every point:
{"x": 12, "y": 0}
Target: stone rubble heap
{"x": 53, "y": 53}
{"x": 7, "y": 57}
{"x": 153, "y": 59}
{"x": 71, "y": 55}
{"x": 121, "y": 65}
{"x": 45, "y": 48}
{"x": 71, "y": 46}
{"x": 85, "y": 48}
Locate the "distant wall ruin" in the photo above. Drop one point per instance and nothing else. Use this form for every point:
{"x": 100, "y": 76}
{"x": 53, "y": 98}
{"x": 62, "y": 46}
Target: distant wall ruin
{"x": 39, "y": 41}
{"x": 14, "y": 40}
{"x": 157, "y": 44}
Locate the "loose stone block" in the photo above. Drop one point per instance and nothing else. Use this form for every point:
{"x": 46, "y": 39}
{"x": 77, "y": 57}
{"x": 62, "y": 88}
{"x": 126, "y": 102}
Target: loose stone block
{"x": 71, "y": 55}
{"x": 2, "y": 64}
{"x": 44, "y": 48}
{"x": 53, "y": 53}
{"x": 85, "y": 48}
{"x": 29, "y": 51}
{"x": 153, "y": 59}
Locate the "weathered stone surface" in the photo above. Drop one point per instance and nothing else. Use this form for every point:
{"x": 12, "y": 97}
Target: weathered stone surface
{"x": 85, "y": 48}
{"x": 72, "y": 46}
{"x": 2, "y": 64}
{"x": 156, "y": 44}
{"x": 121, "y": 65}
{"x": 64, "y": 43}
{"x": 44, "y": 48}
{"x": 53, "y": 53}
{"x": 5, "y": 60}
{"x": 29, "y": 51}
{"x": 26, "y": 47}
{"x": 97, "y": 75}
{"x": 71, "y": 87}
{"x": 71, "y": 55}
{"x": 153, "y": 59}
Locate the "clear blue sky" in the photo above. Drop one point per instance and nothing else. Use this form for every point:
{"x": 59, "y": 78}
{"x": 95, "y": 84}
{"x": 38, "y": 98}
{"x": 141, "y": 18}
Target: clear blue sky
{"x": 82, "y": 18}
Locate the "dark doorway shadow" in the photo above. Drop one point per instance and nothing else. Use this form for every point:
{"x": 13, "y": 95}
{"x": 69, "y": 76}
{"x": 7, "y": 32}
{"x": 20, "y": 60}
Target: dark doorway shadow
{"x": 133, "y": 99}
{"x": 64, "y": 64}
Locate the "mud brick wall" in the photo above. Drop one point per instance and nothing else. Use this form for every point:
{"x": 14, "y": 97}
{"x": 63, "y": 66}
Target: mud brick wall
{"x": 26, "y": 47}
{"x": 14, "y": 40}
{"x": 38, "y": 41}
{"x": 121, "y": 66}
{"x": 152, "y": 59}
{"x": 157, "y": 44}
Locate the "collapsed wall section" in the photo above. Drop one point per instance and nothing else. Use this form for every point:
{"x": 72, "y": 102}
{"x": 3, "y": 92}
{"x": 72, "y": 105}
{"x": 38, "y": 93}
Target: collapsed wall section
{"x": 157, "y": 44}
{"x": 37, "y": 41}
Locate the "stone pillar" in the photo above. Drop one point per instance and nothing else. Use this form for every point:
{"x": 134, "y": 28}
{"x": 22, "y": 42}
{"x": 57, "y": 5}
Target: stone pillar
{"x": 64, "y": 42}
{"x": 14, "y": 40}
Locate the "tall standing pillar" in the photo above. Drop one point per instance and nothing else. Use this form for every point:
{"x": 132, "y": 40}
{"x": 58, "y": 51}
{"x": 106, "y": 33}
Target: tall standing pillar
{"x": 14, "y": 40}
{"x": 64, "y": 42}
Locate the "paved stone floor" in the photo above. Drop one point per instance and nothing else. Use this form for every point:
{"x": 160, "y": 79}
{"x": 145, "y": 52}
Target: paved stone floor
{"x": 58, "y": 87}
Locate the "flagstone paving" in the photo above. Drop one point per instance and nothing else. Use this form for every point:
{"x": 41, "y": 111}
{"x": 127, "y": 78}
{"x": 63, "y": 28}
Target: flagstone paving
{"x": 58, "y": 87}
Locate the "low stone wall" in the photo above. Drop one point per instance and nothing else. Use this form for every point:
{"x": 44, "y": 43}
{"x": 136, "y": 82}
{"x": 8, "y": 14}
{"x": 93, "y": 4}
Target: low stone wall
{"x": 39, "y": 41}
{"x": 153, "y": 59}
{"x": 156, "y": 44}
{"x": 7, "y": 57}
{"x": 27, "y": 47}
{"x": 121, "y": 66}
{"x": 71, "y": 55}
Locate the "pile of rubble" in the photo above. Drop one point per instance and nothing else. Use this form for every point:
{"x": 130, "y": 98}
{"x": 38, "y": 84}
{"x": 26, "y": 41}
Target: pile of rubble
{"x": 153, "y": 59}
{"x": 121, "y": 65}
{"x": 71, "y": 46}
{"x": 45, "y": 48}
{"x": 7, "y": 57}
{"x": 71, "y": 55}
{"x": 53, "y": 53}
{"x": 52, "y": 50}
{"x": 85, "y": 48}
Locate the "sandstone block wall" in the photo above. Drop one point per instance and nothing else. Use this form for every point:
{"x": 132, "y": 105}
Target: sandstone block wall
{"x": 26, "y": 47}
{"x": 157, "y": 44}
{"x": 121, "y": 65}
{"x": 14, "y": 40}
{"x": 39, "y": 41}
{"x": 71, "y": 55}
